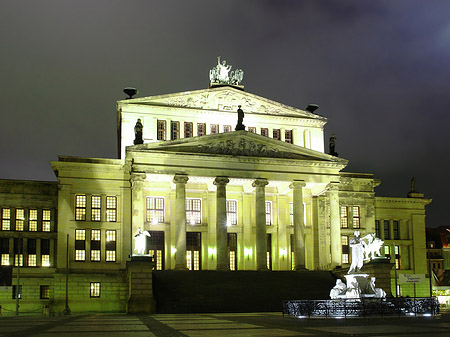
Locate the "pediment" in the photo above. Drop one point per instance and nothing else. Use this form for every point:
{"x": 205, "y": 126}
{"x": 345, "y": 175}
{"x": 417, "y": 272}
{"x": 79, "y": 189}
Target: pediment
{"x": 226, "y": 98}
{"x": 238, "y": 143}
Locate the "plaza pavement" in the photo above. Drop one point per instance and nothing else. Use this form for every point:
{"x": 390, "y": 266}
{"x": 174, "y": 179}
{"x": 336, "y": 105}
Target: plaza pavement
{"x": 233, "y": 324}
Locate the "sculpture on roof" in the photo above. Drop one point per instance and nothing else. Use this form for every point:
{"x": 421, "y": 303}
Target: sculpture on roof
{"x": 138, "y": 132}
{"x": 240, "y": 125}
{"x": 333, "y": 146}
{"x": 222, "y": 73}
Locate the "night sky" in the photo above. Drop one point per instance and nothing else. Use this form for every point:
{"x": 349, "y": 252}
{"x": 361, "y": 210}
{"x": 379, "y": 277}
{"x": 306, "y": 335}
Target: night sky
{"x": 379, "y": 70}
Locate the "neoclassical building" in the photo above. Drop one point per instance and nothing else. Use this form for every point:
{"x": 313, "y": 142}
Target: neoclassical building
{"x": 267, "y": 197}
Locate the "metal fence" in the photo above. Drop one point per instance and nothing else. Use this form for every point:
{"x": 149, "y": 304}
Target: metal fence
{"x": 423, "y": 306}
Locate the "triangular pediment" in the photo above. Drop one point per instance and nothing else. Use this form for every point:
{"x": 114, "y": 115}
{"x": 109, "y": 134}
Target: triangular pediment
{"x": 226, "y": 98}
{"x": 238, "y": 143}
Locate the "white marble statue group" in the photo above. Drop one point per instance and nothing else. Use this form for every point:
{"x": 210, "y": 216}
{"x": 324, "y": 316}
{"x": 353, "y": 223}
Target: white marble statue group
{"x": 363, "y": 249}
{"x": 222, "y": 73}
{"x": 140, "y": 240}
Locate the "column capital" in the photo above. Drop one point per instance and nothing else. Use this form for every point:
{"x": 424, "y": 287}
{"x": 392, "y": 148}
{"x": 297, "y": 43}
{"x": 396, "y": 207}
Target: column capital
{"x": 137, "y": 177}
{"x": 297, "y": 184}
{"x": 333, "y": 186}
{"x": 260, "y": 182}
{"x": 180, "y": 178}
{"x": 221, "y": 181}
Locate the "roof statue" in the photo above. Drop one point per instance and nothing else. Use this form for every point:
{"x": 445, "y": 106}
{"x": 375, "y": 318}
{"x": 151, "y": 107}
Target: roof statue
{"x": 223, "y": 74}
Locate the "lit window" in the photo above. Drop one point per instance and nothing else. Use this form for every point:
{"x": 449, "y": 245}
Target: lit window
{"x": 276, "y": 134}
{"x": 80, "y": 255}
{"x": 232, "y": 260}
{"x": 96, "y": 205}
{"x": 265, "y": 132}
{"x": 20, "y": 219}
{"x": 32, "y": 224}
{"x": 6, "y": 219}
{"x": 252, "y": 129}
{"x": 268, "y": 213}
{"x": 188, "y": 130}
{"x": 5, "y": 259}
{"x": 355, "y": 217}
{"x": 46, "y": 220}
{"x": 214, "y": 128}
{"x": 18, "y": 258}
{"x": 80, "y": 207}
{"x": 155, "y": 210}
{"x": 110, "y": 246}
{"x": 45, "y": 252}
{"x": 196, "y": 260}
{"x": 397, "y": 257}
{"x": 45, "y": 260}
{"x": 110, "y": 256}
{"x": 174, "y": 130}
{"x": 268, "y": 261}
{"x": 387, "y": 252}
{"x": 95, "y": 289}
{"x": 387, "y": 230}
{"x": 189, "y": 259}
{"x": 161, "y": 133}
{"x": 157, "y": 257}
{"x": 288, "y": 136}
{"x": 201, "y": 129}
{"x": 344, "y": 217}
{"x": 95, "y": 255}
{"x": 232, "y": 249}
{"x": 45, "y": 292}
{"x": 95, "y": 244}
{"x": 227, "y": 128}
{"x": 194, "y": 211}
{"x": 4, "y": 251}
{"x": 31, "y": 260}
{"x": 231, "y": 212}
{"x": 396, "y": 230}
{"x": 345, "y": 248}
{"x": 80, "y": 245}
{"x": 111, "y": 209}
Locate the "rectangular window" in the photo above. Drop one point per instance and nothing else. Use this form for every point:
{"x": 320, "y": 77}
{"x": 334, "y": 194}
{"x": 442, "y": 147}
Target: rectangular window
{"x": 345, "y": 248}
{"x": 31, "y": 250}
{"x": 268, "y": 213}
{"x": 95, "y": 289}
{"x": 45, "y": 260}
{"x": 396, "y": 229}
{"x": 111, "y": 209}
{"x": 155, "y": 210}
{"x": 96, "y": 207}
{"x": 18, "y": 258}
{"x": 227, "y": 128}
{"x": 252, "y": 129}
{"x": 201, "y": 129}
{"x": 344, "y": 217}
{"x": 4, "y": 252}
{"x": 232, "y": 249}
{"x": 80, "y": 245}
{"x": 161, "y": 130}
{"x": 355, "y": 217}
{"x": 288, "y": 136}
{"x": 387, "y": 252}
{"x": 45, "y": 252}
{"x": 174, "y": 130}
{"x": 46, "y": 218}
{"x": 214, "y": 128}
{"x": 377, "y": 229}
{"x": 20, "y": 219}
{"x": 155, "y": 246}
{"x": 6, "y": 219}
{"x": 18, "y": 252}
{"x": 80, "y": 207}
{"x": 232, "y": 212}
{"x": 188, "y": 130}
{"x": 110, "y": 246}
{"x": 193, "y": 247}
{"x": 276, "y": 134}
{"x": 397, "y": 257}
{"x": 265, "y": 132}
{"x": 31, "y": 260}
{"x": 194, "y": 211}
{"x": 32, "y": 220}
{"x": 387, "y": 230}
{"x": 45, "y": 292}
{"x": 95, "y": 245}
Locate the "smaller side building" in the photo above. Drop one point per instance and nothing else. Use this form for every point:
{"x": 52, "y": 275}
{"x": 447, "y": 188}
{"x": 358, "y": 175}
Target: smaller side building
{"x": 438, "y": 257}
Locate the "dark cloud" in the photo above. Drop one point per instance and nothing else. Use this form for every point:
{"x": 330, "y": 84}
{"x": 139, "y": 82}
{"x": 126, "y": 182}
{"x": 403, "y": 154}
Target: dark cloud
{"x": 378, "y": 69}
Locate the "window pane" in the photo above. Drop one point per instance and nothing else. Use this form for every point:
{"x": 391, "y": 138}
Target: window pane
{"x": 95, "y": 289}
{"x": 20, "y": 219}
{"x": 80, "y": 207}
{"x": 111, "y": 209}
{"x": 32, "y": 218}
{"x": 96, "y": 204}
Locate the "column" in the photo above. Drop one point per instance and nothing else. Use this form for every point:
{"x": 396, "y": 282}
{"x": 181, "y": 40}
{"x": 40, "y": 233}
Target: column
{"x": 335, "y": 225}
{"x": 221, "y": 222}
{"x": 180, "y": 221}
{"x": 137, "y": 204}
{"x": 261, "y": 240}
{"x": 299, "y": 226}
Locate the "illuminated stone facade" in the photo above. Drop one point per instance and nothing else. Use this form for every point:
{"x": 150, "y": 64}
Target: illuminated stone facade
{"x": 213, "y": 198}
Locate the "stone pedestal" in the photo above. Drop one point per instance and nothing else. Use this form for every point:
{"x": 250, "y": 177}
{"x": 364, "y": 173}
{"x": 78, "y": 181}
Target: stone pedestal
{"x": 381, "y": 269}
{"x": 140, "y": 285}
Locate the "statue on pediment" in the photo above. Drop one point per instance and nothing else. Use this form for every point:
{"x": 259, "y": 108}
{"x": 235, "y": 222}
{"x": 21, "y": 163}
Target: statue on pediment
{"x": 138, "y": 128}
{"x": 222, "y": 73}
{"x": 140, "y": 240}
{"x": 240, "y": 125}
{"x": 332, "y": 144}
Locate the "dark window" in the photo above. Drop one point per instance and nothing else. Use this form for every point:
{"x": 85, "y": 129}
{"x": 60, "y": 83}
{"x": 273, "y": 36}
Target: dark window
{"x": 201, "y": 129}
{"x": 276, "y": 133}
{"x": 214, "y": 128}
{"x": 188, "y": 130}
{"x": 387, "y": 230}
{"x": 252, "y": 129}
{"x": 174, "y": 130}
{"x": 161, "y": 133}
{"x": 227, "y": 128}
{"x": 288, "y": 136}
{"x": 265, "y": 132}
{"x": 45, "y": 292}
{"x": 269, "y": 251}
{"x": 31, "y": 246}
{"x": 377, "y": 228}
{"x": 14, "y": 292}
{"x": 232, "y": 250}
{"x": 396, "y": 230}
{"x": 45, "y": 246}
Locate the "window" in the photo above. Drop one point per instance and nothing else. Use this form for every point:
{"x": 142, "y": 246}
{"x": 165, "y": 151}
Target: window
{"x": 377, "y": 229}
{"x": 45, "y": 252}
{"x": 31, "y": 250}
{"x": 345, "y": 249}
{"x": 396, "y": 230}
{"x": 110, "y": 246}
{"x": 344, "y": 217}
{"x": 5, "y": 260}
{"x": 265, "y": 132}
{"x": 288, "y": 136}
{"x": 80, "y": 207}
{"x": 32, "y": 220}
{"x": 95, "y": 244}
{"x": 18, "y": 252}
{"x": 174, "y": 130}
{"x": 4, "y": 251}
{"x": 46, "y": 220}
{"x": 291, "y": 239}
{"x": 155, "y": 245}
{"x": 201, "y": 129}
{"x": 18, "y": 258}
{"x": 95, "y": 289}
{"x": 20, "y": 219}
{"x": 252, "y": 129}
{"x": 214, "y": 128}
{"x": 96, "y": 207}
{"x": 193, "y": 247}
{"x": 269, "y": 251}
{"x": 232, "y": 249}
{"x": 276, "y": 134}
{"x": 268, "y": 213}
{"x": 14, "y": 292}
{"x": 387, "y": 252}
{"x": 31, "y": 260}
{"x": 397, "y": 257}
{"x": 45, "y": 292}
{"x": 111, "y": 209}
{"x": 194, "y": 211}
{"x": 155, "y": 210}
{"x": 231, "y": 212}
{"x": 356, "y": 219}
{"x": 387, "y": 230}
{"x": 188, "y": 130}
{"x": 291, "y": 213}
{"x": 6, "y": 219}
{"x": 80, "y": 245}
{"x": 161, "y": 130}
{"x": 227, "y": 128}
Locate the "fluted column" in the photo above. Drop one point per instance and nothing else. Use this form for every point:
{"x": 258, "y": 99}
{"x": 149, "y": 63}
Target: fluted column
{"x": 260, "y": 207}
{"x": 180, "y": 221}
{"x": 137, "y": 202}
{"x": 335, "y": 225}
{"x": 221, "y": 223}
{"x": 299, "y": 226}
